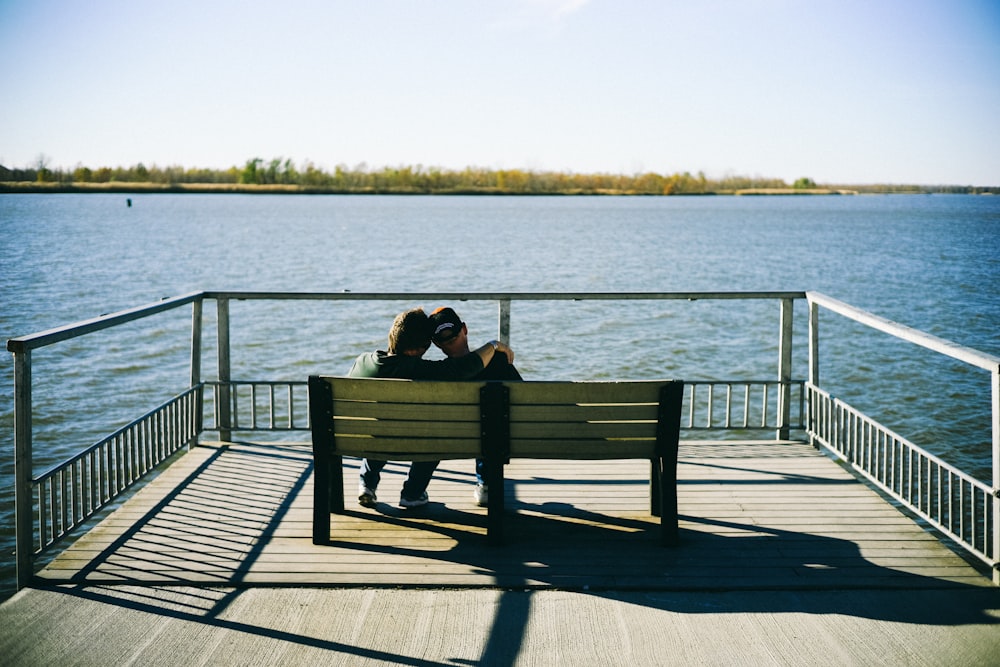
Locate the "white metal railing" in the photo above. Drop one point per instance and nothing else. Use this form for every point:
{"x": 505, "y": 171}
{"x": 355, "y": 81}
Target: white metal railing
{"x": 743, "y": 406}
{"x": 750, "y": 405}
{"x": 70, "y": 493}
{"x": 958, "y": 505}
{"x": 961, "y": 507}
{"x": 261, "y": 405}
{"x": 51, "y": 505}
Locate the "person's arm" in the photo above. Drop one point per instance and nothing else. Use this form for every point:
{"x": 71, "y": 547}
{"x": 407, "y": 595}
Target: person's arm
{"x": 487, "y": 351}
{"x": 465, "y": 367}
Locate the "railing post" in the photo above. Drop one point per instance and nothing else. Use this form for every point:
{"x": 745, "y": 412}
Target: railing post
{"x": 224, "y": 404}
{"x": 503, "y": 330}
{"x": 24, "y": 531}
{"x": 813, "y": 368}
{"x": 785, "y": 369}
{"x": 996, "y": 476}
{"x": 196, "y": 322}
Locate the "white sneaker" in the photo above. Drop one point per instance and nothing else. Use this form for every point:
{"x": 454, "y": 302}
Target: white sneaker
{"x": 414, "y": 502}
{"x": 482, "y": 495}
{"x": 366, "y": 496}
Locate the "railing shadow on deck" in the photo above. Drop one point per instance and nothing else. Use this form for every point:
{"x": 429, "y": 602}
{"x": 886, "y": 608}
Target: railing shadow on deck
{"x": 216, "y": 523}
{"x": 246, "y": 494}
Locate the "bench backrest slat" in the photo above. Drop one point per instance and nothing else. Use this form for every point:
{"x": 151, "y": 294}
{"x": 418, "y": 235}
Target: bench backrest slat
{"x": 582, "y": 449}
{"x": 393, "y": 390}
{"x": 544, "y": 393}
{"x": 584, "y": 420}
{"x": 404, "y": 419}
{"x": 584, "y": 430}
{"x": 404, "y": 429}
{"x": 406, "y": 411}
{"x": 573, "y": 412}
{"x": 408, "y": 449}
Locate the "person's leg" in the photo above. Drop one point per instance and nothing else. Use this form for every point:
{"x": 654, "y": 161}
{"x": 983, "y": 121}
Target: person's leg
{"x": 371, "y": 473}
{"x": 417, "y": 480}
{"x": 481, "y": 493}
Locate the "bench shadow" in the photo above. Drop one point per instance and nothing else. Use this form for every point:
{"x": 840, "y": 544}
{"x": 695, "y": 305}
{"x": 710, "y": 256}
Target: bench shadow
{"x": 555, "y": 545}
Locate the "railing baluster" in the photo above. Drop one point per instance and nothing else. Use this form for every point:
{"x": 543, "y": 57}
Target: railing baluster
{"x": 270, "y": 406}
{"x": 940, "y": 497}
{"x": 973, "y": 520}
{"x": 74, "y": 493}
{"x": 708, "y": 414}
{"x": 53, "y": 512}
{"x": 763, "y": 408}
{"x": 85, "y": 500}
{"x": 691, "y": 404}
{"x": 746, "y": 405}
{"x": 115, "y": 447}
{"x": 63, "y": 513}
{"x": 729, "y": 405}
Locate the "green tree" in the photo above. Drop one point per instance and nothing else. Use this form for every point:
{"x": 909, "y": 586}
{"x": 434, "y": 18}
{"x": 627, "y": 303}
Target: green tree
{"x": 82, "y": 174}
{"x": 288, "y": 172}
{"x": 251, "y": 171}
{"x": 42, "y": 172}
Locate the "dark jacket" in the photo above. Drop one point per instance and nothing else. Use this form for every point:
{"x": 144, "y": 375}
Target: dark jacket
{"x": 384, "y": 365}
{"x": 499, "y": 369}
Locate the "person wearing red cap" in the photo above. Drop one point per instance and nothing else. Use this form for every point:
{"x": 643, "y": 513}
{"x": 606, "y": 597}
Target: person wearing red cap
{"x": 409, "y": 339}
{"x": 451, "y": 336}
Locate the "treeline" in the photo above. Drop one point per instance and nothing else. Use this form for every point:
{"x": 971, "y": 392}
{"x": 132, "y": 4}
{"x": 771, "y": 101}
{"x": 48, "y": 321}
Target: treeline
{"x": 283, "y": 175}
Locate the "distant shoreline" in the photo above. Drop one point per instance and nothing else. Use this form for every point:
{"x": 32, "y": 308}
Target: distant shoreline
{"x": 23, "y": 187}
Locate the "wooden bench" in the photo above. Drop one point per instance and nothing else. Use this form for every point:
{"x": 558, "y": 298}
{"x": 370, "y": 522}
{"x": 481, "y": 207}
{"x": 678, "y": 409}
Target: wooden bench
{"x": 406, "y": 420}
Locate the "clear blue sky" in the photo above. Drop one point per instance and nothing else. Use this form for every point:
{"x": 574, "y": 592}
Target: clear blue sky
{"x": 842, "y": 91}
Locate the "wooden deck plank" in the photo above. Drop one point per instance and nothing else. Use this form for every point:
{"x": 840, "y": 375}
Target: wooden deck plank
{"x": 759, "y": 515}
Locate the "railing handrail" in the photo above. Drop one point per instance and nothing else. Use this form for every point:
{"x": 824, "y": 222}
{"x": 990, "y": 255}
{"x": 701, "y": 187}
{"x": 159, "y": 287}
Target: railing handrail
{"x": 59, "y": 334}
{"x": 969, "y": 355}
{"x": 76, "y": 329}
{"x": 493, "y": 296}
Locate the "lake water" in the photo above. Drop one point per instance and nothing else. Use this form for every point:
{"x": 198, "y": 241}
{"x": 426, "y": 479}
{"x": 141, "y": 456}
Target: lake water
{"x": 930, "y": 262}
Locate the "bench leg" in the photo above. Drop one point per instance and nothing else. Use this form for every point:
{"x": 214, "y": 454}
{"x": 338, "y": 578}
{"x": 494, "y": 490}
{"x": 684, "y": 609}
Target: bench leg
{"x": 665, "y": 471}
{"x": 321, "y": 497}
{"x": 328, "y": 493}
{"x": 336, "y": 484}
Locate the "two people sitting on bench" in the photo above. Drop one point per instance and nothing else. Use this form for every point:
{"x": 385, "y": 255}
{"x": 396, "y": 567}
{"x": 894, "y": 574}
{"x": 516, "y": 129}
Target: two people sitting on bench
{"x": 451, "y": 336}
{"x": 409, "y": 339}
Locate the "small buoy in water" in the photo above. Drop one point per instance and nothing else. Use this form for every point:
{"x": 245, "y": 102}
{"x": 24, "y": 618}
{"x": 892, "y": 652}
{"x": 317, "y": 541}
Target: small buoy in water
{"x": 128, "y": 202}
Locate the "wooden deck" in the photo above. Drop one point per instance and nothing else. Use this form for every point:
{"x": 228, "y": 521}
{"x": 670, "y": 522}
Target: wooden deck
{"x": 754, "y": 516}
